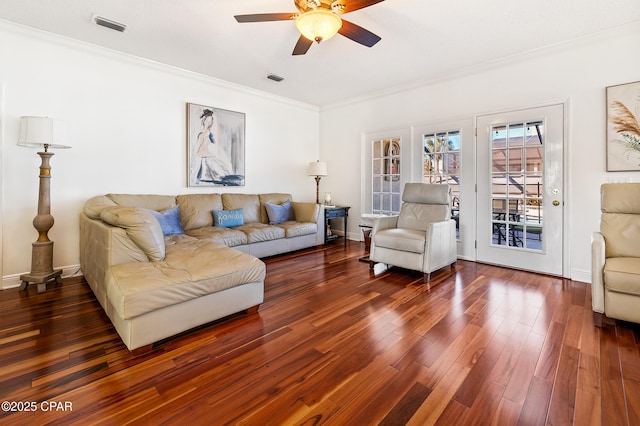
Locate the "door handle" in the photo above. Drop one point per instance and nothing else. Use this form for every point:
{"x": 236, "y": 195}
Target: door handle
{"x": 556, "y": 203}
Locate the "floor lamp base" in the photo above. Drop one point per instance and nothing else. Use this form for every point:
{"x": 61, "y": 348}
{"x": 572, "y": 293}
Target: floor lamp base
{"x": 41, "y": 267}
{"x": 40, "y": 279}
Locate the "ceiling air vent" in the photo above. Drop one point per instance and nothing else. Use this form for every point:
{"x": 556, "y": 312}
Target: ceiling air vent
{"x": 108, "y": 23}
{"x": 274, "y": 77}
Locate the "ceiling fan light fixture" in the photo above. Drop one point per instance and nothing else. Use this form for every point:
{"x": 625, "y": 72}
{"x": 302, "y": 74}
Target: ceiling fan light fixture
{"x": 318, "y": 24}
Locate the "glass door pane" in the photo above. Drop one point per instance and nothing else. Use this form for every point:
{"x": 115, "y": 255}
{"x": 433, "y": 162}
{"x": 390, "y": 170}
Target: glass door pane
{"x": 385, "y": 184}
{"x": 516, "y": 193}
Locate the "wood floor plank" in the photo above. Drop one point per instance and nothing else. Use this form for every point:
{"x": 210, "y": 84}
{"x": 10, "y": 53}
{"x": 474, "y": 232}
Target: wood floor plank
{"x": 548, "y": 361}
{"x": 629, "y": 353}
{"x": 506, "y": 413}
{"x": 406, "y": 406}
{"x": 334, "y": 343}
{"x": 612, "y": 390}
{"x": 524, "y": 369}
{"x": 505, "y": 365}
{"x": 563, "y": 397}
{"x": 588, "y": 409}
{"x": 485, "y": 406}
{"x": 536, "y": 404}
{"x": 431, "y": 409}
{"x": 476, "y": 383}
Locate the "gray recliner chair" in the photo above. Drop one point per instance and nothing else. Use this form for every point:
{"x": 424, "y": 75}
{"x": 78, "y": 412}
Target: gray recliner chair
{"x": 615, "y": 254}
{"x": 422, "y": 237}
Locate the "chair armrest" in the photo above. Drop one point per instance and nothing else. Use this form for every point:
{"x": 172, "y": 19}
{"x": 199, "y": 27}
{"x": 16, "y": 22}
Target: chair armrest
{"x": 441, "y": 248}
{"x": 384, "y": 222}
{"x": 597, "y": 276}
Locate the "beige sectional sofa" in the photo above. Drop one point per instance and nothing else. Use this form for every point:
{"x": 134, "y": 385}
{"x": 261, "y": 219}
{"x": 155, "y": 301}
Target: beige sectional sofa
{"x": 153, "y": 285}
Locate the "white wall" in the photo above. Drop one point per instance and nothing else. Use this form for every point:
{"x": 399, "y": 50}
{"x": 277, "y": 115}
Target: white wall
{"x": 576, "y": 72}
{"x": 127, "y": 123}
{"x": 127, "y": 126}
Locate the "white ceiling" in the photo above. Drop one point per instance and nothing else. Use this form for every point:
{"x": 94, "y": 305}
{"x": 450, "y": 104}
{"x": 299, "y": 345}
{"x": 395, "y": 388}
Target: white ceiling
{"x": 421, "y": 40}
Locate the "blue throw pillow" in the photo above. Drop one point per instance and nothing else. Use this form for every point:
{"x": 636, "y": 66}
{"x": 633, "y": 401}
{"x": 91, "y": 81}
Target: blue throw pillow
{"x": 228, "y": 218}
{"x": 279, "y": 213}
{"x": 169, "y": 220}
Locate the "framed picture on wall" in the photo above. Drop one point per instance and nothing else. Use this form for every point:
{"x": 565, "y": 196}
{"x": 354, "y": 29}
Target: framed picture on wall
{"x": 215, "y": 146}
{"x": 623, "y": 127}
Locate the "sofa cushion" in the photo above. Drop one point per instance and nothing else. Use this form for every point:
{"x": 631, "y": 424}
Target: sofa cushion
{"x": 141, "y": 227}
{"x": 620, "y": 198}
{"x": 227, "y": 218}
{"x": 297, "y": 229}
{"x": 258, "y": 232}
{"x": 195, "y": 209}
{"x": 278, "y": 213}
{"x": 249, "y": 203}
{"x": 621, "y": 275}
{"x": 172, "y": 239}
{"x": 169, "y": 220}
{"x": 305, "y": 212}
{"x": 621, "y": 234}
{"x": 227, "y": 236}
{"x": 401, "y": 239}
{"x": 95, "y": 205}
{"x": 190, "y": 270}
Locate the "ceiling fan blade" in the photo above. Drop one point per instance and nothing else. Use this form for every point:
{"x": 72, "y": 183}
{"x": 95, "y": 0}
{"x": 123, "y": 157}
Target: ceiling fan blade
{"x": 358, "y": 34}
{"x": 264, "y": 17}
{"x": 359, "y": 4}
{"x": 302, "y": 46}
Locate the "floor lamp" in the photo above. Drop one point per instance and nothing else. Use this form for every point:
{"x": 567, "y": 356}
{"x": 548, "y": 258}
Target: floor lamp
{"x": 317, "y": 169}
{"x": 41, "y": 132}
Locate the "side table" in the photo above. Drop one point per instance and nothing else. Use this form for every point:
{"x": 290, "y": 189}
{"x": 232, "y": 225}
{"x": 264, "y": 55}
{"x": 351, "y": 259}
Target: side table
{"x": 366, "y": 223}
{"x": 332, "y": 213}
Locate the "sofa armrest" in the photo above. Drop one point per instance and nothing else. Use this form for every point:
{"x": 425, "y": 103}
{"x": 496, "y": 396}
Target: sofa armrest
{"x": 440, "y": 249}
{"x": 597, "y": 276}
{"x": 384, "y": 222}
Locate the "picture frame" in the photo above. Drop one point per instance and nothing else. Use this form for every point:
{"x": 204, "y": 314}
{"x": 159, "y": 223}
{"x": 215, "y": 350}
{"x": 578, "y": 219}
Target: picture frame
{"x": 215, "y": 146}
{"x": 623, "y": 127}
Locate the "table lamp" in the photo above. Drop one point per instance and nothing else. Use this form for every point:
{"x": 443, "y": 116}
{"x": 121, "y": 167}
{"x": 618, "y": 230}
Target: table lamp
{"x": 41, "y": 132}
{"x": 317, "y": 169}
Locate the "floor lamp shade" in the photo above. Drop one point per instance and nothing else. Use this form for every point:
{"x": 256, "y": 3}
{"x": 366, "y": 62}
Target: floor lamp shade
{"x": 317, "y": 169}
{"x": 42, "y": 132}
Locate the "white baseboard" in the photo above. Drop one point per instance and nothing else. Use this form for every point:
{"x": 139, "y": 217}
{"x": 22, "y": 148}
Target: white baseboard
{"x": 12, "y": 281}
{"x": 581, "y": 275}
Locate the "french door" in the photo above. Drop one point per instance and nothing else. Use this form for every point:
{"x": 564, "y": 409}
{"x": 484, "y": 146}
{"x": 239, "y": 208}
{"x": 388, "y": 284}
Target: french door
{"x": 519, "y": 161}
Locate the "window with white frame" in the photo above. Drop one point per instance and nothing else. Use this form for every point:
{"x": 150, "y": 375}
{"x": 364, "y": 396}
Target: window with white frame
{"x": 385, "y": 184}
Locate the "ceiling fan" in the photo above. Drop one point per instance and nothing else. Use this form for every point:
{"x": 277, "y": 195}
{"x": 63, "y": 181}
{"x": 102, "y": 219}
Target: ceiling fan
{"x": 320, "y": 20}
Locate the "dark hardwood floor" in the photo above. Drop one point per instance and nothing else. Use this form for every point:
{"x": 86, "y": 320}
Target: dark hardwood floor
{"x": 335, "y": 344}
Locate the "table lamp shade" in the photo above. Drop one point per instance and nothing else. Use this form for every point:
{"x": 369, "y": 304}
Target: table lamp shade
{"x": 37, "y": 132}
{"x": 317, "y": 168}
